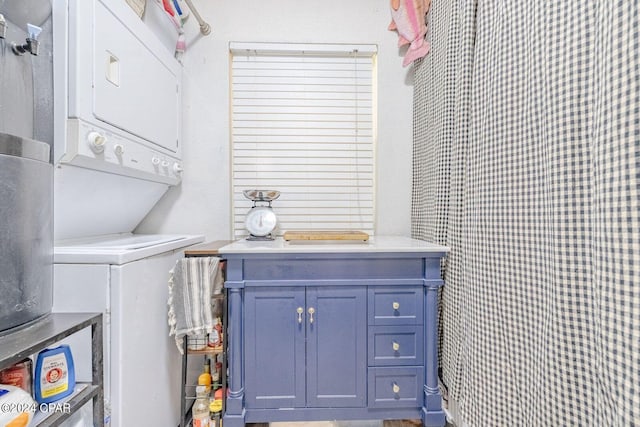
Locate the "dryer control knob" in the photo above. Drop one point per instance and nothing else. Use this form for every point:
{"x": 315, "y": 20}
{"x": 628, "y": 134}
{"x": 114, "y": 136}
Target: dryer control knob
{"x": 118, "y": 149}
{"x": 177, "y": 168}
{"x": 155, "y": 161}
{"x": 165, "y": 164}
{"x": 96, "y": 141}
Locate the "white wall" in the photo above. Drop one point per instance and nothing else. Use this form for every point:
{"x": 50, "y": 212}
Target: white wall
{"x": 201, "y": 205}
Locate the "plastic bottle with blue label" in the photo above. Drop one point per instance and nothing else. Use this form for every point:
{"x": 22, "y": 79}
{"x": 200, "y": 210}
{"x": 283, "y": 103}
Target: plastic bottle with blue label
{"x": 55, "y": 376}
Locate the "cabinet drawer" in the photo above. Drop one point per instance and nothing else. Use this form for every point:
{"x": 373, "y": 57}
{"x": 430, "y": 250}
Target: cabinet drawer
{"x": 396, "y": 305}
{"x": 395, "y": 345}
{"x": 395, "y": 387}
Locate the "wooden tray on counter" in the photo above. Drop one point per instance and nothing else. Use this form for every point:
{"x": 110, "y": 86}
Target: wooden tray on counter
{"x": 325, "y": 235}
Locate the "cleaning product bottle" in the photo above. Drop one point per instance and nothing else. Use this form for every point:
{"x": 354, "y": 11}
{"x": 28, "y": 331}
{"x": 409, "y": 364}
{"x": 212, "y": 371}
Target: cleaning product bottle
{"x": 215, "y": 379}
{"x": 216, "y": 382}
{"x": 218, "y": 370}
{"x": 16, "y": 406}
{"x": 205, "y": 377}
{"x": 200, "y": 409}
{"x": 55, "y": 375}
{"x": 215, "y": 408}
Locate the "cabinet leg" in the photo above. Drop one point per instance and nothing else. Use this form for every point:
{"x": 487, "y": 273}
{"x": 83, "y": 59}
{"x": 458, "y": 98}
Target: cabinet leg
{"x": 432, "y": 413}
{"x": 433, "y": 418}
{"x": 233, "y": 420}
{"x": 234, "y": 406}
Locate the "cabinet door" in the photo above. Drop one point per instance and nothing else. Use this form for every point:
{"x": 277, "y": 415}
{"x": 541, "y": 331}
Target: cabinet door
{"x": 336, "y": 347}
{"x": 274, "y": 347}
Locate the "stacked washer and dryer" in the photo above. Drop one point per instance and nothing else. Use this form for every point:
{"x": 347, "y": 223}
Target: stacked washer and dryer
{"x": 117, "y": 151}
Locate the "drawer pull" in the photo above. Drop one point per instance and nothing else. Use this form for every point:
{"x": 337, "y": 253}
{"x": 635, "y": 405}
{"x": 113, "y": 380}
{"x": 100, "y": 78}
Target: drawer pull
{"x": 396, "y": 346}
{"x": 396, "y": 388}
{"x": 300, "y": 310}
{"x": 396, "y": 305}
{"x": 311, "y": 311}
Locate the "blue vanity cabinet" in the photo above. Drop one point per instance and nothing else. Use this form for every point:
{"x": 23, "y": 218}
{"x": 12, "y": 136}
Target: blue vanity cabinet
{"x": 337, "y": 347}
{"x": 274, "y": 342}
{"x": 396, "y": 346}
{"x": 305, "y": 347}
{"x": 317, "y": 332}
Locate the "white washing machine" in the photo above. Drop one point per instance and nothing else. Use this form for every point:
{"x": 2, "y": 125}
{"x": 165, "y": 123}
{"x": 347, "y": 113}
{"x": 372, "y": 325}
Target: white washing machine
{"x": 125, "y": 277}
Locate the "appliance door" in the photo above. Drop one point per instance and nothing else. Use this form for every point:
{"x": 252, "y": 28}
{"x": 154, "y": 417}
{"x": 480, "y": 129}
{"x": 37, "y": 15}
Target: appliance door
{"x": 120, "y": 74}
{"x": 145, "y": 360}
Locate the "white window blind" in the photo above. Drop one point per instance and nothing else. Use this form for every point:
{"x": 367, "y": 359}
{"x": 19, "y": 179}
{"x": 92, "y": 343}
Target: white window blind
{"x": 303, "y": 123}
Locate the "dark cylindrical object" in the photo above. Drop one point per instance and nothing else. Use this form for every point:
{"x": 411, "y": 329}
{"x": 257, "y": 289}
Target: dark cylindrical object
{"x": 26, "y": 230}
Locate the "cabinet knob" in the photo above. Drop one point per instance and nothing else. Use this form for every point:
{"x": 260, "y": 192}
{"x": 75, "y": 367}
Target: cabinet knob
{"x": 311, "y": 311}
{"x": 300, "y": 310}
{"x": 396, "y": 305}
{"x": 396, "y": 388}
{"x": 396, "y": 346}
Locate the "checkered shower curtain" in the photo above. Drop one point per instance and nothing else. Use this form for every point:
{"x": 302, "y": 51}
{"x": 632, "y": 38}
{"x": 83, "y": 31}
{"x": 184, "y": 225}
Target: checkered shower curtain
{"x": 527, "y": 164}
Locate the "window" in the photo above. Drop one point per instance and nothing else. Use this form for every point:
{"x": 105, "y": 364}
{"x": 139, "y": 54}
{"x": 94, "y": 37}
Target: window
{"x": 303, "y": 123}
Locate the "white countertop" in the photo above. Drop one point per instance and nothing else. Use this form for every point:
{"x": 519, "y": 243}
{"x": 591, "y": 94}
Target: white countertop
{"x": 375, "y": 244}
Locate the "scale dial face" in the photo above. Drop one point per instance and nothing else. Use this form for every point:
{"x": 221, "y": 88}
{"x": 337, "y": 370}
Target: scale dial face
{"x": 260, "y": 221}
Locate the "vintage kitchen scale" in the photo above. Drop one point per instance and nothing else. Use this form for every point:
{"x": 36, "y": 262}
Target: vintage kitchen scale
{"x": 261, "y": 220}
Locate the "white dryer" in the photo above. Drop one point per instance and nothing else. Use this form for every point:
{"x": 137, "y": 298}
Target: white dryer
{"x": 118, "y": 121}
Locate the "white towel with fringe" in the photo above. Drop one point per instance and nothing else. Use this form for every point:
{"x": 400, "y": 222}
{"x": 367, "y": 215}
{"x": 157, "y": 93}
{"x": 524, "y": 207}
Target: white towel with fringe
{"x": 192, "y": 283}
